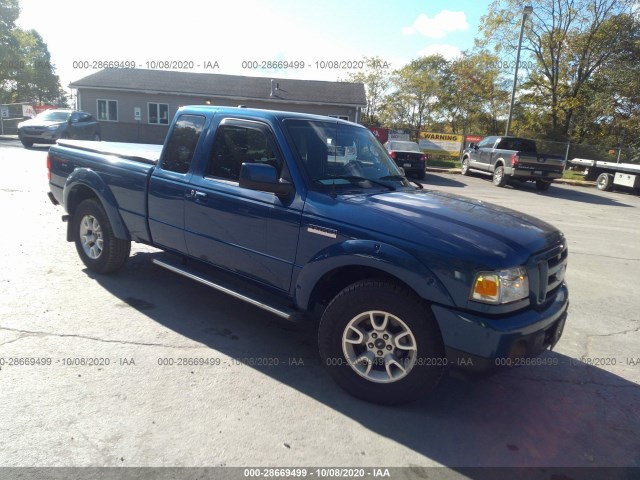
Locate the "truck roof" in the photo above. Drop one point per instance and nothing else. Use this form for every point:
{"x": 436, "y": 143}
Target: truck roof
{"x": 261, "y": 113}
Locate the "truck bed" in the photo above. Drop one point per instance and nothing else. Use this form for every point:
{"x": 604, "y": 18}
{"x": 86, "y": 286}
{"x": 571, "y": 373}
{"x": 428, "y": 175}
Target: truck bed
{"x": 141, "y": 152}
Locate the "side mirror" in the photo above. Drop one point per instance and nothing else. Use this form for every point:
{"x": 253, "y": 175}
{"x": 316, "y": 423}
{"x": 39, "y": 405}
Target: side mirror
{"x": 473, "y": 145}
{"x": 263, "y": 177}
{"x": 404, "y": 174}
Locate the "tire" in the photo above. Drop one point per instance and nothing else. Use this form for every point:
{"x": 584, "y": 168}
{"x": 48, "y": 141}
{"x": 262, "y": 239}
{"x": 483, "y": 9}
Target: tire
{"x": 499, "y": 178}
{"x": 605, "y": 182}
{"x": 391, "y": 316}
{"x": 464, "y": 168}
{"x": 26, "y": 143}
{"x": 543, "y": 185}
{"x": 420, "y": 175}
{"x": 96, "y": 244}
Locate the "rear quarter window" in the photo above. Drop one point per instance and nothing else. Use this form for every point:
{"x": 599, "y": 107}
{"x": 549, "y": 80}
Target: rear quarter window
{"x": 182, "y": 143}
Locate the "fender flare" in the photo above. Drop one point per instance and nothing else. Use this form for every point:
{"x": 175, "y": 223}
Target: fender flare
{"x": 85, "y": 177}
{"x": 499, "y": 161}
{"x": 377, "y": 255}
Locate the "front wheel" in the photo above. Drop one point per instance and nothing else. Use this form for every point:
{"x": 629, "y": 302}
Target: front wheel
{"x": 26, "y": 143}
{"x": 499, "y": 178}
{"x": 464, "y": 169}
{"x": 381, "y": 343}
{"x": 95, "y": 241}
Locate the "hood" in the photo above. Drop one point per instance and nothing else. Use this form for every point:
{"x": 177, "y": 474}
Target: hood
{"x": 437, "y": 224}
{"x": 34, "y": 122}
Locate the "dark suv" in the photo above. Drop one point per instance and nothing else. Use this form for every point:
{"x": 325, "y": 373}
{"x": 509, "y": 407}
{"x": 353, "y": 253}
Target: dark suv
{"x": 50, "y": 125}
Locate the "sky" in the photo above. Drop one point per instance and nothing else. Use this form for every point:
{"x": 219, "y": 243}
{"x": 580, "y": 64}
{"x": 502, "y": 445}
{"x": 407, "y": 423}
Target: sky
{"x": 229, "y": 37}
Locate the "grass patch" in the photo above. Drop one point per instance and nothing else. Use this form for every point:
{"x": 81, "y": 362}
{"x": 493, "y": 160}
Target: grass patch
{"x": 573, "y": 175}
{"x": 444, "y": 163}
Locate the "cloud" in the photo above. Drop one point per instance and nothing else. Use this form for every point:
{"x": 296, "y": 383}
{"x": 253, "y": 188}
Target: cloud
{"x": 442, "y": 23}
{"x": 447, "y": 51}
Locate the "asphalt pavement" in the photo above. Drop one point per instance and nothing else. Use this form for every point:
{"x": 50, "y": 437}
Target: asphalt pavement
{"x": 143, "y": 368}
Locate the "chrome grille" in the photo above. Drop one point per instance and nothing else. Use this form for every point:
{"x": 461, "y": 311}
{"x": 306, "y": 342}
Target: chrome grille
{"x": 551, "y": 265}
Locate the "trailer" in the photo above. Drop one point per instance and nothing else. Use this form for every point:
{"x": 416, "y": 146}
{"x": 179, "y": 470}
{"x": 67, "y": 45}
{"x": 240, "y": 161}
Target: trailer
{"x": 608, "y": 174}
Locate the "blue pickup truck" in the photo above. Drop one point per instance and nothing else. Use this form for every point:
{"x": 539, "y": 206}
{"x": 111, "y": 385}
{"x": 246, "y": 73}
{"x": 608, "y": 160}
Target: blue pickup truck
{"x": 405, "y": 281}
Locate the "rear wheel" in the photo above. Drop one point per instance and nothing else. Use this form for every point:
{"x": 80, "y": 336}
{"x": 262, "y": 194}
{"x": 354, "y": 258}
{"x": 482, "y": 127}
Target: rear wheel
{"x": 605, "y": 182}
{"x": 381, "y": 343}
{"x": 421, "y": 175}
{"x": 499, "y": 178}
{"x": 96, "y": 244}
{"x": 543, "y": 185}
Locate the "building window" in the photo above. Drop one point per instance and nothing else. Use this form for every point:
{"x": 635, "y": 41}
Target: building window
{"x": 108, "y": 110}
{"x": 341, "y": 117}
{"x": 158, "y": 113}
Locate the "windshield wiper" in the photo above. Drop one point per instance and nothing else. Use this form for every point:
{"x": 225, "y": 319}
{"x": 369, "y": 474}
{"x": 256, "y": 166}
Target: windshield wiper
{"x": 357, "y": 179}
{"x": 400, "y": 177}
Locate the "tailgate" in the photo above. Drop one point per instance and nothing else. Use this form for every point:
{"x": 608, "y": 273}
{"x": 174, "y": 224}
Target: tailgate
{"x": 540, "y": 162}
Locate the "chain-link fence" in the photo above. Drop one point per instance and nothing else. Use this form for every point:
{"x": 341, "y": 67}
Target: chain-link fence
{"x": 591, "y": 152}
{"x": 11, "y": 114}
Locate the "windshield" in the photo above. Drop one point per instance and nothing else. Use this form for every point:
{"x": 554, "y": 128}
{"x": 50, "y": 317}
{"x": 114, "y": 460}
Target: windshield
{"x": 405, "y": 146}
{"x": 339, "y": 155}
{"x": 54, "y": 116}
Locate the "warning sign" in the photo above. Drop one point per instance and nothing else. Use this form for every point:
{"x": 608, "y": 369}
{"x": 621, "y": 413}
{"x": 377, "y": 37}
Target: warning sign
{"x": 440, "y": 143}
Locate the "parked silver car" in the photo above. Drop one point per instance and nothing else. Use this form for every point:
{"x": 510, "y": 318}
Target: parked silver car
{"x": 50, "y": 125}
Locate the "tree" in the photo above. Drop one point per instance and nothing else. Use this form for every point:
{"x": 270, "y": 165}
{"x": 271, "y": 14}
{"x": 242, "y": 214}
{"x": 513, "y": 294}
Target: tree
{"x": 26, "y": 73}
{"x": 9, "y": 12}
{"x": 473, "y": 93}
{"x": 35, "y": 81}
{"x": 376, "y": 83}
{"x": 569, "y": 40}
{"x": 416, "y": 89}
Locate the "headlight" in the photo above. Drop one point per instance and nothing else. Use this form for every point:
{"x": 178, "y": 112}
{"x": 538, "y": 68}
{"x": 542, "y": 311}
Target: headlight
{"x": 53, "y": 127}
{"x": 20, "y": 124}
{"x": 504, "y": 286}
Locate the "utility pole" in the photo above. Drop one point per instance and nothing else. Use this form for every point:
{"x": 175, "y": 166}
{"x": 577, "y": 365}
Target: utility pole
{"x": 527, "y": 11}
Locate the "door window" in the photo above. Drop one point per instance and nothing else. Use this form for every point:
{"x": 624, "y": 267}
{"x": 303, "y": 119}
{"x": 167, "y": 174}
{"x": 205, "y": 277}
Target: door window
{"x": 235, "y": 145}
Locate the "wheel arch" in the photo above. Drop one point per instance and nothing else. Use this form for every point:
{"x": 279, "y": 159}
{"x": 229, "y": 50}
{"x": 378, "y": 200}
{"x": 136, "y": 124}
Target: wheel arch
{"x": 339, "y": 266}
{"x": 85, "y": 184}
{"x": 498, "y": 163}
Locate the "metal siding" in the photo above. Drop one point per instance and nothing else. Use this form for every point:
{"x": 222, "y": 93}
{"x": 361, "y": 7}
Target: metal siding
{"x": 127, "y": 129}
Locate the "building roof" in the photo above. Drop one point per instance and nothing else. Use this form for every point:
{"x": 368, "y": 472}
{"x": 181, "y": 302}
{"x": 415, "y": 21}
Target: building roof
{"x": 226, "y": 86}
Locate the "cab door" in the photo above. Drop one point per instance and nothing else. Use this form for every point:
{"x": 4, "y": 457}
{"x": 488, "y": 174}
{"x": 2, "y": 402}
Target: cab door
{"x": 169, "y": 184}
{"x": 249, "y": 232}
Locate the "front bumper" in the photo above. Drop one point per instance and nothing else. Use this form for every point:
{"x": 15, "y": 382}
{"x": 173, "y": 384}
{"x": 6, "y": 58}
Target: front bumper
{"x": 482, "y": 343}
{"x": 44, "y": 137}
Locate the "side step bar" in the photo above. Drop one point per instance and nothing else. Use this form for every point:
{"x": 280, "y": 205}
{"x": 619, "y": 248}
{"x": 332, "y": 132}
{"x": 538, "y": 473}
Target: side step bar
{"x": 255, "y": 299}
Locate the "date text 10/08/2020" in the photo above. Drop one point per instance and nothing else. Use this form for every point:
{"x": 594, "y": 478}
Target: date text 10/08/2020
{"x": 248, "y": 64}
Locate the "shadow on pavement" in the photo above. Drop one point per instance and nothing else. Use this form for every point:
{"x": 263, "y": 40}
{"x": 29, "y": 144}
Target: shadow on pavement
{"x": 566, "y": 414}
{"x": 432, "y": 180}
{"x": 570, "y": 193}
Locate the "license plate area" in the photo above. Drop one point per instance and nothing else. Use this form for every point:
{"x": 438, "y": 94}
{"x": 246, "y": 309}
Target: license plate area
{"x": 407, "y": 165}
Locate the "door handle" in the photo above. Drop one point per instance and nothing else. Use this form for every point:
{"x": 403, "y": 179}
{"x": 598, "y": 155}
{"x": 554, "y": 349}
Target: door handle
{"x": 200, "y": 197}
